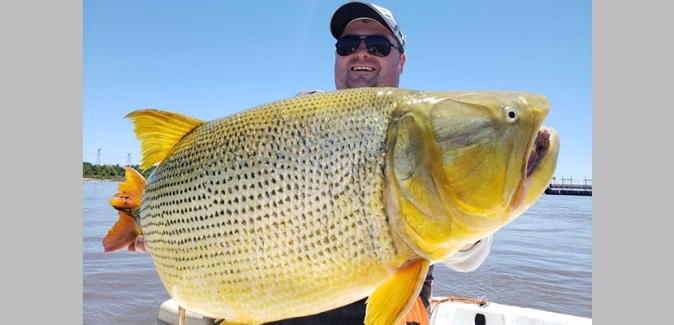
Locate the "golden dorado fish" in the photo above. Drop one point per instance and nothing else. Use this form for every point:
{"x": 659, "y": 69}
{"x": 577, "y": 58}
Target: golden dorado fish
{"x": 310, "y": 203}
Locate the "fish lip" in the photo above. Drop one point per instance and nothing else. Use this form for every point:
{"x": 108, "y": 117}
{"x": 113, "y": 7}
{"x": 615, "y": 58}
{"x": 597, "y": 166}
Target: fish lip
{"x": 538, "y": 150}
{"x": 537, "y": 153}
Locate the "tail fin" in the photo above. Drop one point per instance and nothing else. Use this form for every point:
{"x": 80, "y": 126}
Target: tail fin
{"x": 127, "y": 201}
{"x": 122, "y": 234}
{"x": 130, "y": 191}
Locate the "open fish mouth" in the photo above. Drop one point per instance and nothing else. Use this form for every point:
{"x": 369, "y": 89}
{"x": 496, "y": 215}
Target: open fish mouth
{"x": 539, "y": 149}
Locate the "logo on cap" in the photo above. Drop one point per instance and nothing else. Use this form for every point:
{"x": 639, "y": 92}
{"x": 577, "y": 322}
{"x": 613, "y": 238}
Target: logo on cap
{"x": 392, "y": 23}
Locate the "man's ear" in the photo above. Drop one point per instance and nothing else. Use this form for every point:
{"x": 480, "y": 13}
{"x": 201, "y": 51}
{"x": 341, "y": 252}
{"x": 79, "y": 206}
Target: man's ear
{"x": 403, "y": 57}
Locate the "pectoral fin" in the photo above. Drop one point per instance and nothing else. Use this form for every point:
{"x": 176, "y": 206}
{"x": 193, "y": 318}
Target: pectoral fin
{"x": 391, "y": 301}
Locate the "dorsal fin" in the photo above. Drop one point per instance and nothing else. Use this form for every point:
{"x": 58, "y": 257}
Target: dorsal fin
{"x": 158, "y": 132}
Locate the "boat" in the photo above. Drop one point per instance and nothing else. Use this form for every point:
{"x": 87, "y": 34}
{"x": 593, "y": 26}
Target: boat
{"x": 448, "y": 311}
{"x": 444, "y": 311}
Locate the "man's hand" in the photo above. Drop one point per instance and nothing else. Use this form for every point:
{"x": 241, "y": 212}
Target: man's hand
{"x": 139, "y": 246}
{"x": 471, "y": 256}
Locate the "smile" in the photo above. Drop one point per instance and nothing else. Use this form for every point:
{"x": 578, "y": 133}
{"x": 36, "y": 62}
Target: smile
{"x": 362, "y": 69}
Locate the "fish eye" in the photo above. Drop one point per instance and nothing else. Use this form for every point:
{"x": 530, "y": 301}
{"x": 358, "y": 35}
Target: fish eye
{"x": 510, "y": 114}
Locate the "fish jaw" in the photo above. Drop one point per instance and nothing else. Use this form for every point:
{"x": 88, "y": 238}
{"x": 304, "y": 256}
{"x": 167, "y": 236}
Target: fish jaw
{"x": 457, "y": 166}
{"x": 540, "y": 169}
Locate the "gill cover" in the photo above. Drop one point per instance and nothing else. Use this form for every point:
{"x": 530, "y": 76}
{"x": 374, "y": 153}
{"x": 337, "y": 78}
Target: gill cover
{"x": 457, "y": 166}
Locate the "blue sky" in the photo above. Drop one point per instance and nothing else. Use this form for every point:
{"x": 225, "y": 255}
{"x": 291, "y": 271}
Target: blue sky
{"x": 209, "y": 59}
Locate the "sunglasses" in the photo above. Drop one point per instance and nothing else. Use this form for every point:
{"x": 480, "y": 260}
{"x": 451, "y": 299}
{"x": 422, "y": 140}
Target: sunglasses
{"x": 375, "y": 45}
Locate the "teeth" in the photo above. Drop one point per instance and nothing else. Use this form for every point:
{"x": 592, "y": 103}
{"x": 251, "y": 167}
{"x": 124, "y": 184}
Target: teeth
{"x": 362, "y": 69}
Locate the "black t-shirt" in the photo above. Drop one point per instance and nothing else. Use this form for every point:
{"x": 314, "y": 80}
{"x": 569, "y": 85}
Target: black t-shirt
{"x": 354, "y": 313}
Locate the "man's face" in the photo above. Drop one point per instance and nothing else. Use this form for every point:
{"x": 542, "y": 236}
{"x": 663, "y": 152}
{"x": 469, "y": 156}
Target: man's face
{"x": 362, "y": 69}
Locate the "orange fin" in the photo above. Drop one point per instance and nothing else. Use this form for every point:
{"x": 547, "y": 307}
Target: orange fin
{"x": 391, "y": 301}
{"x": 159, "y": 132}
{"x": 122, "y": 234}
{"x": 130, "y": 191}
{"x": 416, "y": 315}
{"x": 127, "y": 201}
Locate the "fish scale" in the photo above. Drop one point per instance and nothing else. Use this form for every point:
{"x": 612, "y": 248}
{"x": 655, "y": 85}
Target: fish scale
{"x": 276, "y": 177}
{"x": 310, "y": 203}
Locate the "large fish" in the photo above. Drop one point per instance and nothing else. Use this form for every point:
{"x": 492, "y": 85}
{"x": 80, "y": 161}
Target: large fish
{"x": 310, "y": 203}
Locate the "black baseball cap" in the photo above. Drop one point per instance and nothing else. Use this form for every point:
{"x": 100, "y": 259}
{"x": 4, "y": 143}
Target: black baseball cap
{"x": 353, "y": 10}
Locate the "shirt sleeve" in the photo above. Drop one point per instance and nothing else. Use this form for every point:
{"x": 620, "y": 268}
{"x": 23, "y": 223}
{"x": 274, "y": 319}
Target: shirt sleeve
{"x": 471, "y": 256}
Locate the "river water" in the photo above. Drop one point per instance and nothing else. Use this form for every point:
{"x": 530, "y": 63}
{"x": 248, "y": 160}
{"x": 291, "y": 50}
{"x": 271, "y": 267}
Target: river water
{"x": 541, "y": 260}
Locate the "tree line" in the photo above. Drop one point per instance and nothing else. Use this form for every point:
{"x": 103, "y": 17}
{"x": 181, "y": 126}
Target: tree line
{"x": 109, "y": 172}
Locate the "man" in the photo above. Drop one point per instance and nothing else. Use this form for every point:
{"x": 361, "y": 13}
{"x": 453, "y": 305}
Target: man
{"x": 370, "y": 52}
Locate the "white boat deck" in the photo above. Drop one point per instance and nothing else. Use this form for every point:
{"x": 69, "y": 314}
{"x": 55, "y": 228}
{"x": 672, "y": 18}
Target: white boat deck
{"x": 444, "y": 313}
{"x": 452, "y": 312}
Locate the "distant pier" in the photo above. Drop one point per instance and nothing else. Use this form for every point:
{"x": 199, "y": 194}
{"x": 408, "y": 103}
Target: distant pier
{"x": 569, "y": 186}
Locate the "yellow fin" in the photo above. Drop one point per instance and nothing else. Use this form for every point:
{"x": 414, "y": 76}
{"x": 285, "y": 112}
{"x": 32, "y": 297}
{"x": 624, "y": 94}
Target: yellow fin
{"x": 390, "y": 302}
{"x": 158, "y": 132}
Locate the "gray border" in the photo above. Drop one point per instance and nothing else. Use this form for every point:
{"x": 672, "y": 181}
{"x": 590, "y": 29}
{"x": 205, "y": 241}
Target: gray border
{"x": 632, "y": 73}
{"x": 41, "y": 100}
{"x": 42, "y": 84}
